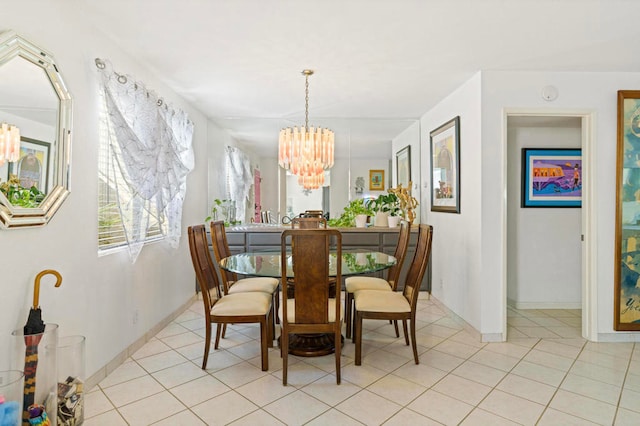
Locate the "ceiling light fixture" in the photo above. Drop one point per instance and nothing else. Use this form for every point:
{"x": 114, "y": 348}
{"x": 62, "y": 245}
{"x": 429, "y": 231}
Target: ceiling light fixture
{"x": 306, "y": 151}
{"x": 9, "y": 143}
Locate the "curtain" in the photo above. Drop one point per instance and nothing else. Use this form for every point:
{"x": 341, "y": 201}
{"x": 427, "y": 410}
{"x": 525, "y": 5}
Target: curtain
{"x": 239, "y": 179}
{"x": 152, "y": 147}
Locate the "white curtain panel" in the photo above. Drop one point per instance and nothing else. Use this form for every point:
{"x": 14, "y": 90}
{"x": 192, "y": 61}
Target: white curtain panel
{"x": 152, "y": 147}
{"x": 239, "y": 179}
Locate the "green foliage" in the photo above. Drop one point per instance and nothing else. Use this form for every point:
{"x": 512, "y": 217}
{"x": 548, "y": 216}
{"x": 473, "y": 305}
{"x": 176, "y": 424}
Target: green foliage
{"x": 349, "y": 214}
{"x": 19, "y": 195}
{"x": 386, "y": 203}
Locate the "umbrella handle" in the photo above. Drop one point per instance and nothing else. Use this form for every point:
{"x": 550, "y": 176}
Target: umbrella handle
{"x": 36, "y": 290}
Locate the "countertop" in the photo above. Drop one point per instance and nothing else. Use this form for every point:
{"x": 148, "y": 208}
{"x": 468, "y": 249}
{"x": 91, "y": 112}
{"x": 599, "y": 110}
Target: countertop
{"x": 267, "y": 227}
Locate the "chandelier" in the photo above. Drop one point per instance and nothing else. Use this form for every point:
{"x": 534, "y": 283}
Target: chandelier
{"x": 9, "y": 143}
{"x": 306, "y": 151}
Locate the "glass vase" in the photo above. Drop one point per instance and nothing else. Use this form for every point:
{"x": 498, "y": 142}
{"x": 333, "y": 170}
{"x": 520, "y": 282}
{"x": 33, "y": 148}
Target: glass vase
{"x": 11, "y": 387}
{"x": 71, "y": 378}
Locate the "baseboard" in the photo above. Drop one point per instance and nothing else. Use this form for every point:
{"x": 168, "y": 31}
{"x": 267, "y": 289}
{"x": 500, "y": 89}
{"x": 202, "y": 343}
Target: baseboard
{"x": 619, "y": 336}
{"x": 543, "y": 305}
{"x": 133, "y": 348}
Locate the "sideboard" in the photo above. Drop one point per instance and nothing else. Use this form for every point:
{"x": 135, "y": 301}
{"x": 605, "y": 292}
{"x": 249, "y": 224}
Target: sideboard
{"x": 261, "y": 237}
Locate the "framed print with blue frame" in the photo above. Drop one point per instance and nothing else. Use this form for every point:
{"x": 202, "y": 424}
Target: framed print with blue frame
{"x": 551, "y": 177}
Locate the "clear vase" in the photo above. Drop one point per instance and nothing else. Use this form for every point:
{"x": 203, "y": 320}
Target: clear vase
{"x": 36, "y": 355}
{"x": 11, "y": 388}
{"x": 71, "y": 378}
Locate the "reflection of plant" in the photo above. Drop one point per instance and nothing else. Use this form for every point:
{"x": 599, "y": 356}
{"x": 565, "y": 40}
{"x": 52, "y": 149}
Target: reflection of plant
{"x": 350, "y": 212}
{"x": 225, "y": 208}
{"x": 357, "y": 264}
{"x": 19, "y": 195}
{"x": 386, "y": 203}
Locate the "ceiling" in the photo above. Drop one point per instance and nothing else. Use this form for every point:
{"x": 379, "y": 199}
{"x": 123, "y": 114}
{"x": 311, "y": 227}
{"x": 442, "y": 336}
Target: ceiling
{"x": 377, "y": 61}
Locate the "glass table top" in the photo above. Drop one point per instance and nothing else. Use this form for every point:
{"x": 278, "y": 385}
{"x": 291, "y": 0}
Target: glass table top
{"x": 267, "y": 263}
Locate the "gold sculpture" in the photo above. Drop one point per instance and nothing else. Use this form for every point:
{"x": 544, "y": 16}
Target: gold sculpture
{"x": 407, "y": 202}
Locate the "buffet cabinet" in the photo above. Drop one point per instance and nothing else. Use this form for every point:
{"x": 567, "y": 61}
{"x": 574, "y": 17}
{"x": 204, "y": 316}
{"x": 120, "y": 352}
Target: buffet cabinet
{"x": 264, "y": 237}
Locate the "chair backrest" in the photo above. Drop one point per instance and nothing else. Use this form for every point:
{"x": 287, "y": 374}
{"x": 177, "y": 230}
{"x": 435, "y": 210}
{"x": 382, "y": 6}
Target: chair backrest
{"x": 311, "y": 284}
{"x": 221, "y": 250}
{"x": 203, "y": 265}
{"x": 393, "y": 275}
{"x": 313, "y": 213}
{"x": 418, "y": 265}
{"x": 308, "y": 223}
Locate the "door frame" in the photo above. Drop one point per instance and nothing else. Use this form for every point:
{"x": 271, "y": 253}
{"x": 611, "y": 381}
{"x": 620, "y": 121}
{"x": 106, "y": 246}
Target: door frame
{"x": 588, "y": 227}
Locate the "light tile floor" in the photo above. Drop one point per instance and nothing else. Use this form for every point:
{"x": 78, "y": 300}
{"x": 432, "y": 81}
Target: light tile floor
{"x": 546, "y": 374}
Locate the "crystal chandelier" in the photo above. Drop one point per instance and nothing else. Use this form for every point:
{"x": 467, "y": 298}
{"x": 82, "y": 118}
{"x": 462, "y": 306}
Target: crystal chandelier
{"x": 9, "y": 143}
{"x": 306, "y": 151}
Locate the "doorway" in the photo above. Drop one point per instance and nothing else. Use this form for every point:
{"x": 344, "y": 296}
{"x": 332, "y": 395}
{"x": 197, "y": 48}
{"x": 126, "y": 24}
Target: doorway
{"x": 546, "y": 277}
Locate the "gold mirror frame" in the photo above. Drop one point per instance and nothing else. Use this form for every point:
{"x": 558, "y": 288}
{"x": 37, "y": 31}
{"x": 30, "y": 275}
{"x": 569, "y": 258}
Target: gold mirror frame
{"x": 12, "y": 217}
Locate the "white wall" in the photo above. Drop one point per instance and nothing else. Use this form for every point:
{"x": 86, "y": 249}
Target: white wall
{"x": 590, "y": 92}
{"x": 456, "y": 255}
{"x": 99, "y": 295}
{"x": 269, "y": 185}
{"x": 543, "y": 244}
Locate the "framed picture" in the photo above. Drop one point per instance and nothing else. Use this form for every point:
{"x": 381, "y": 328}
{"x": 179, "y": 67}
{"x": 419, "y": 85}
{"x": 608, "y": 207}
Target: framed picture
{"x": 445, "y": 167}
{"x": 376, "y": 180}
{"x": 551, "y": 177}
{"x": 627, "y": 234}
{"x": 32, "y": 167}
{"x": 403, "y": 166}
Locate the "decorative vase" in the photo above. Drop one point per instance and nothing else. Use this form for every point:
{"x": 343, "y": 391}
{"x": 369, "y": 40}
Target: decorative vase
{"x": 381, "y": 219}
{"x": 361, "y": 221}
{"x": 394, "y": 221}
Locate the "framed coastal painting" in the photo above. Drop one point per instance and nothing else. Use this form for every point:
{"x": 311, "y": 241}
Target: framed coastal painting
{"x": 627, "y": 232}
{"x": 551, "y": 177}
{"x": 445, "y": 167}
{"x": 376, "y": 180}
{"x": 403, "y": 166}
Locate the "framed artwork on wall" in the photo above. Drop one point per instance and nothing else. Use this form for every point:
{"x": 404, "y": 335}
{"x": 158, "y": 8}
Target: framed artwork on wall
{"x": 376, "y": 180}
{"x": 403, "y": 166}
{"x": 445, "y": 167}
{"x": 627, "y": 239}
{"x": 32, "y": 168}
{"x": 551, "y": 177}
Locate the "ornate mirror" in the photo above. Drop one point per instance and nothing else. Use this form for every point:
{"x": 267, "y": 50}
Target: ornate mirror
{"x": 34, "y": 181}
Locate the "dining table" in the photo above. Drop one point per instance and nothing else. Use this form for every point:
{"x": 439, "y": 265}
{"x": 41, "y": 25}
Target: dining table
{"x": 267, "y": 264}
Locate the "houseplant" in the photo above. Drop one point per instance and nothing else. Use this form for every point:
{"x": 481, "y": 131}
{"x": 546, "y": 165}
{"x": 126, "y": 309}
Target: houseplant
{"x": 384, "y": 206}
{"x": 350, "y": 214}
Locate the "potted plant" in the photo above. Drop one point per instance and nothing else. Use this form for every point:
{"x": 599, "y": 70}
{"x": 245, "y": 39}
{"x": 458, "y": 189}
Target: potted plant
{"x": 383, "y": 206}
{"x": 355, "y": 212}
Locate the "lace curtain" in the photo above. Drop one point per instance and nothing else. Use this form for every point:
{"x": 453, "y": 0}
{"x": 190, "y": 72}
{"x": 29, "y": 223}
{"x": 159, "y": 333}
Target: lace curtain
{"x": 151, "y": 145}
{"x": 239, "y": 179}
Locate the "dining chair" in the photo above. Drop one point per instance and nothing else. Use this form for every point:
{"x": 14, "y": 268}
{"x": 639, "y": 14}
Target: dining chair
{"x": 392, "y": 305}
{"x": 310, "y": 309}
{"x": 231, "y": 283}
{"x": 353, "y": 284}
{"x": 221, "y": 309}
{"x": 313, "y": 213}
{"x": 310, "y": 222}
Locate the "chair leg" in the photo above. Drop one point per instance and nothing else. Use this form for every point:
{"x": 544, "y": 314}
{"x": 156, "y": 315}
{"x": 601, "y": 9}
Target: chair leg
{"x": 284, "y": 351}
{"x": 406, "y": 334}
{"x": 395, "y": 325}
{"x": 413, "y": 339}
{"x": 357, "y": 333}
{"x": 264, "y": 336}
{"x": 224, "y": 330}
{"x": 207, "y": 345}
{"x": 271, "y": 328}
{"x": 347, "y": 313}
{"x": 218, "y": 332}
{"x": 276, "y": 303}
{"x": 338, "y": 353}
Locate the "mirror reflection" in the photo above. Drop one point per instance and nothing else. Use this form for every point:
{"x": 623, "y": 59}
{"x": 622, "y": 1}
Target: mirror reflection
{"x": 35, "y": 104}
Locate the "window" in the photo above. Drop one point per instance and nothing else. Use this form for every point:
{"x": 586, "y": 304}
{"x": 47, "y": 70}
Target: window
{"x": 113, "y": 191}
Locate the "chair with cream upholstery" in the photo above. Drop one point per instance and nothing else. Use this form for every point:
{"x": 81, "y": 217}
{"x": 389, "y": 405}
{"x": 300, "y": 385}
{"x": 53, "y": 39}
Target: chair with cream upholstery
{"x": 309, "y": 308}
{"x": 393, "y": 305}
{"x": 308, "y": 222}
{"x": 251, "y": 307}
{"x": 230, "y": 281}
{"x": 353, "y": 284}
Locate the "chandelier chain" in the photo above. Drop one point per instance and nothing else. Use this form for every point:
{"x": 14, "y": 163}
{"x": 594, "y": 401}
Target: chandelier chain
{"x": 306, "y": 102}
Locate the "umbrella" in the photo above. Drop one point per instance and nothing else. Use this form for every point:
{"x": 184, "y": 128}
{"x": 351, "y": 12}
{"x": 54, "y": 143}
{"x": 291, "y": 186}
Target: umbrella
{"x": 33, "y": 332}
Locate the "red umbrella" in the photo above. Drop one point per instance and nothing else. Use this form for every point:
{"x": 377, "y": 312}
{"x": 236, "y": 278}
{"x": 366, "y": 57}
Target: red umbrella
{"x": 33, "y": 332}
